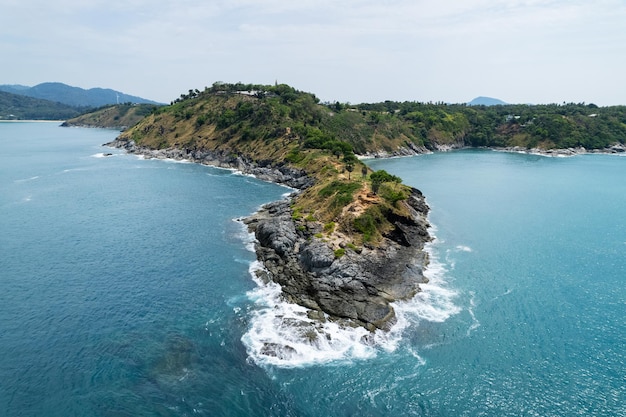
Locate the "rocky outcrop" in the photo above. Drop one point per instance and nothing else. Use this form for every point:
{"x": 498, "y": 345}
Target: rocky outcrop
{"x": 616, "y": 148}
{"x": 264, "y": 170}
{"x": 357, "y": 287}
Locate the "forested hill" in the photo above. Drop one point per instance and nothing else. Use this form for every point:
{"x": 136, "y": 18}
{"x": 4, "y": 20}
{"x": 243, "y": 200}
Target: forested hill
{"x": 351, "y": 241}
{"x": 243, "y": 114}
{"x": 117, "y": 116}
{"x": 18, "y": 107}
{"x": 74, "y": 96}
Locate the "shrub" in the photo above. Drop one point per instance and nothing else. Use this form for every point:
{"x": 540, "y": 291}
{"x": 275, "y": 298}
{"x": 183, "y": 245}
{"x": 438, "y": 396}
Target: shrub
{"x": 368, "y": 223}
{"x": 391, "y": 193}
{"x": 382, "y": 176}
{"x": 295, "y": 156}
{"x": 343, "y": 192}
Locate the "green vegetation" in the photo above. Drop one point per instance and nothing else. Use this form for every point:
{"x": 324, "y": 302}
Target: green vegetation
{"x": 280, "y": 126}
{"x": 120, "y": 116}
{"x": 381, "y": 177}
{"x": 18, "y": 107}
{"x": 340, "y": 193}
{"x": 370, "y": 224}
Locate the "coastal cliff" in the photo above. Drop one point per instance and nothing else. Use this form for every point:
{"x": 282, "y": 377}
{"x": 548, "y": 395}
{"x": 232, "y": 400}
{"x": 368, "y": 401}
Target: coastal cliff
{"x": 348, "y": 242}
{"x": 322, "y": 269}
{"x": 357, "y": 285}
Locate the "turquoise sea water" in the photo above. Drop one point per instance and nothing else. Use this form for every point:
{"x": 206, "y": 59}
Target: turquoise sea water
{"x": 125, "y": 290}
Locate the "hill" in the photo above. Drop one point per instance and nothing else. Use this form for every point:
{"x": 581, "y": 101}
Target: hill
{"x": 74, "y": 96}
{"x": 486, "y": 101}
{"x": 118, "y": 116}
{"x": 18, "y": 107}
{"x": 351, "y": 241}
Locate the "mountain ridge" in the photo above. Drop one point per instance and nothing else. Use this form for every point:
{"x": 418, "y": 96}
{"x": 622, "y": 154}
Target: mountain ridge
{"x": 74, "y": 96}
{"x": 19, "y": 107}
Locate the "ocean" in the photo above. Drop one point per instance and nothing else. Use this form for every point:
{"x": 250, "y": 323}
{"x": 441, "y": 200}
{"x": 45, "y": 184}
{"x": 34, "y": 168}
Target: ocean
{"x": 126, "y": 289}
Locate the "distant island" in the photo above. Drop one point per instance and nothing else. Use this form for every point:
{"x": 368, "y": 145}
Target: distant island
{"x": 486, "y": 101}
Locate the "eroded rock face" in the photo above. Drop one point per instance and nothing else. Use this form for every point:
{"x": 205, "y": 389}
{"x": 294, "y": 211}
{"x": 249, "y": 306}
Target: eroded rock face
{"x": 358, "y": 287}
{"x": 264, "y": 170}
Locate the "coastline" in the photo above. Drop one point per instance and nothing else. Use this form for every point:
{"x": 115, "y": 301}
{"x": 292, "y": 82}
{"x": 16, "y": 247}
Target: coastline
{"x": 357, "y": 288}
{"x": 30, "y": 121}
{"x": 615, "y": 149}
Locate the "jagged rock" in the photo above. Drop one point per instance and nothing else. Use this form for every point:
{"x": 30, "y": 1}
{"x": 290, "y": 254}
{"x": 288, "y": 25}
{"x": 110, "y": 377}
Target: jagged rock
{"x": 358, "y": 287}
{"x": 316, "y": 255}
{"x": 279, "y": 174}
{"x": 277, "y": 234}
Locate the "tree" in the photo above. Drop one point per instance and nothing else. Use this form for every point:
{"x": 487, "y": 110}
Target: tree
{"x": 381, "y": 176}
{"x": 349, "y": 168}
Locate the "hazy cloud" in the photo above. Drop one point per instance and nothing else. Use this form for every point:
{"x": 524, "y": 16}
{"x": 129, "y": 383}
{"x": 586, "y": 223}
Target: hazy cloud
{"x": 350, "y": 50}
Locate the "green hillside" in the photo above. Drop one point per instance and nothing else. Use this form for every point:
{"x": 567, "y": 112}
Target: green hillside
{"x": 18, "y": 107}
{"x": 279, "y": 125}
{"x": 118, "y": 116}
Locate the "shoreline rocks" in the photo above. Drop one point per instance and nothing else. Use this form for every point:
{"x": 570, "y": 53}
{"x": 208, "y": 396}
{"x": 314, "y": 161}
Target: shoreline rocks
{"x": 357, "y": 287}
{"x": 264, "y": 170}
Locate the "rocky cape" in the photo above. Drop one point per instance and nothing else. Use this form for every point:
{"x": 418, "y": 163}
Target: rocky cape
{"x": 356, "y": 286}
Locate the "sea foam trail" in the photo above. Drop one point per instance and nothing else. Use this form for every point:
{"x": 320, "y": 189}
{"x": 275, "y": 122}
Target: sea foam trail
{"x": 282, "y": 333}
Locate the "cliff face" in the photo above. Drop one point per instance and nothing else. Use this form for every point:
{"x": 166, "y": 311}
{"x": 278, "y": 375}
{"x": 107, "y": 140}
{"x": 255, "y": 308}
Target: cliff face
{"x": 358, "y": 285}
{"x": 350, "y": 241}
{"x": 277, "y": 173}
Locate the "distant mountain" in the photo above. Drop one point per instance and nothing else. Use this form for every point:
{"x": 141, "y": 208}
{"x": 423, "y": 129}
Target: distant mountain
{"x": 486, "y": 101}
{"x": 19, "y": 107}
{"x": 74, "y": 96}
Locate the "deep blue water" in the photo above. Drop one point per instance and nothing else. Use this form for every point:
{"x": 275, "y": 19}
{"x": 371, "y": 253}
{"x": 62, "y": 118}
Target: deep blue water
{"x": 125, "y": 290}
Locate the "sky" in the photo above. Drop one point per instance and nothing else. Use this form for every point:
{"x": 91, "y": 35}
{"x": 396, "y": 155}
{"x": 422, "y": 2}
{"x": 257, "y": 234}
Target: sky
{"x": 352, "y": 51}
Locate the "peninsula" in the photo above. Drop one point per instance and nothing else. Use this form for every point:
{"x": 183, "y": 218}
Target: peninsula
{"x": 349, "y": 242}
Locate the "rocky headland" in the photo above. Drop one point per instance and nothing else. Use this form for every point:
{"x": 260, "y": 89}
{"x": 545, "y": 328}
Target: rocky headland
{"x": 349, "y": 241}
{"x": 357, "y": 286}
{"x": 324, "y": 272}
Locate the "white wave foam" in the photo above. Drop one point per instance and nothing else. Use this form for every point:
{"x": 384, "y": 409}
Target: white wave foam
{"x": 101, "y": 155}
{"x": 282, "y": 334}
{"x": 27, "y": 179}
{"x": 177, "y": 161}
{"x": 463, "y": 248}
{"x": 475, "y": 323}
{"x": 435, "y": 302}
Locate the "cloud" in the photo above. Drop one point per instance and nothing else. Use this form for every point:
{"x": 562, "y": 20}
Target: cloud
{"x": 351, "y": 50}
